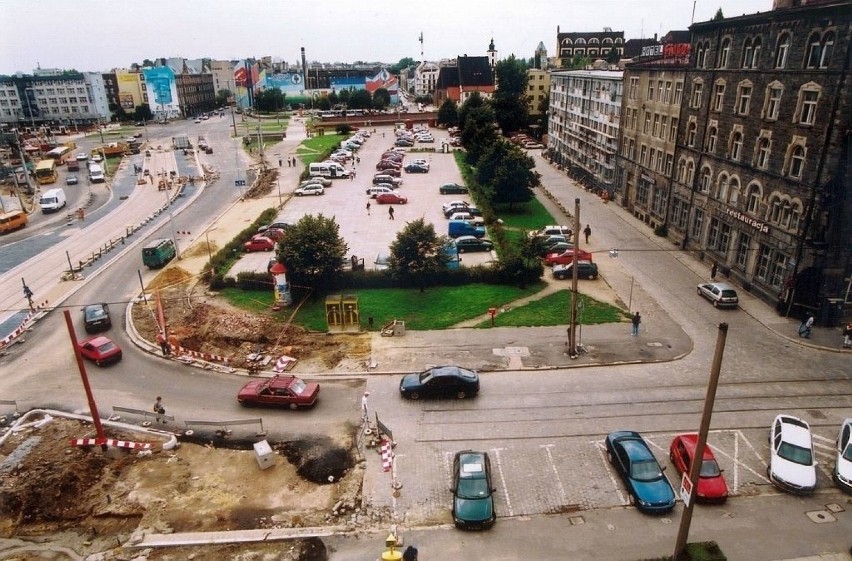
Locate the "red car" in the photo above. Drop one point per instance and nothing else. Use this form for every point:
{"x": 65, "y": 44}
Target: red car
{"x": 390, "y": 199}
{"x": 274, "y": 234}
{"x": 282, "y": 391}
{"x": 388, "y": 164}
{"x": 100, "y": 350}
{"x": 566, "y": 257}
{"x": 259, "y": 243}
{"x": 711, "y": 484}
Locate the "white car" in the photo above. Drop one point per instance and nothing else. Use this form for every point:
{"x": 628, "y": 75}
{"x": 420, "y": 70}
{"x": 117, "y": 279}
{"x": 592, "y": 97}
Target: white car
{"x": 324, "y": 181}
{"x": 792, "y": 464}
{"x": 81, "y": 157}
{"x": 447, "y": 206}
{"x": 843, "y": 463}
{"x": 375, "y": 191}
{"x": 310, "y": 189}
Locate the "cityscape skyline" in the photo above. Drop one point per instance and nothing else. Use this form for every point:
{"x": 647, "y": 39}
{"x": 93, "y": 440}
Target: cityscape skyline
{"x": 381, "y": 32}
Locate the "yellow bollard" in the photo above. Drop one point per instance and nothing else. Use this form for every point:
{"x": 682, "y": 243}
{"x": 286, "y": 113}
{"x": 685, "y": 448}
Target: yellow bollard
{"x": 391, "y": 554}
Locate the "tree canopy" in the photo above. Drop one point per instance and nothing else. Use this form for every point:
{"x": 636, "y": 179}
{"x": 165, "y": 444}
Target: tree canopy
{"x": 507, "y": 174}
{"x": 313, "y": 252}
{"x": 448, "y": 113}
{"x": 478, "y": 132}
{"x": 417, "y": 254}
{"x": 269, "y": 100}
{"x": 381, "y": 98}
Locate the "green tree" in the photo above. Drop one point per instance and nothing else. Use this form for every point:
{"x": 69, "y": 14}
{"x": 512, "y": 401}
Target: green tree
{"x": 417, "y": 255}
{"x": 222, "y": 97}
{"x": 142, "y": 113}
{"x": 507, "y": 174}
{"x": 333, "y": 99}
{"x": 402, "y": 65}
{"x": 613, "y": 57}
{"x": 381, "y": 98}
{"x": 579, "y": 62}
{"x": 343, "y": 96}
{"x": 313, "y": 252}
{"x": 269, "y": 100}
{"x": 360, "y": 99}
{"x": 448, "y": 113}
{"x": 510, "y": 100}
{"x": 479, "y": 133}
{"x": 474, "y": 101}
{"x": 719, "y": 15}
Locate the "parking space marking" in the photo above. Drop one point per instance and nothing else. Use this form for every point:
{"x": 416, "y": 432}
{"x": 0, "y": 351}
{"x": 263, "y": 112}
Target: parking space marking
{"x": 736, "y": 486}
{"x": 503, "y": 479}
{"x": 825, "y": 451}
{"x": 547, "y": 450}
{"x": 735, "y": 460}
{"x": 601, "y": 447}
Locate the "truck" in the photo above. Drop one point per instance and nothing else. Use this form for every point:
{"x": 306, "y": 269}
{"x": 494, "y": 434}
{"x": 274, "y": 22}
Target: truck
{"x": 112, "y": 149}
{"x": 158, "y": 253}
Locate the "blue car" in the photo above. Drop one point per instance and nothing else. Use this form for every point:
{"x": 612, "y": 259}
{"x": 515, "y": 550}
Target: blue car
{"x": 649, "y": 490}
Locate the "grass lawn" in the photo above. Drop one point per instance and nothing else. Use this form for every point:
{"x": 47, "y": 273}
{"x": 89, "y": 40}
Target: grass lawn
{"x": 312, "y": 148}
{"x": 528, "y": 216}
{"x": 555, "y": 309}
{"x": 440, "y": 307}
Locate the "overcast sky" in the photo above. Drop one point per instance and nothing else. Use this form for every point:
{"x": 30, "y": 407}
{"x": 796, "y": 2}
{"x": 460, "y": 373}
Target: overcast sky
{"x": 98, "y": 35}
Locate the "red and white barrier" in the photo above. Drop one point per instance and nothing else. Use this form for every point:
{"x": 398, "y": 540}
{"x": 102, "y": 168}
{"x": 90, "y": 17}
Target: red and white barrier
{"x": 114, "y": 442}
{"x": 23, "y": 326}
{"x": 387, "y": 455}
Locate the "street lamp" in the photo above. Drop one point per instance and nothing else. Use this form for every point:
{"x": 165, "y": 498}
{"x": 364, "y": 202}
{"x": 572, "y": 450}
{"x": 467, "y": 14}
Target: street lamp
{"x": 207, "y": 239}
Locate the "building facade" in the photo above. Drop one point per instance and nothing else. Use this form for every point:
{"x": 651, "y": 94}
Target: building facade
{"x": 585, "y": 112}
{"x": 425, "y": 78}
{"x": 195, "y": 93}
{"x": 762, "y": 157}
{"x": 592, "y": 45}
{"x": 67, "y": 98}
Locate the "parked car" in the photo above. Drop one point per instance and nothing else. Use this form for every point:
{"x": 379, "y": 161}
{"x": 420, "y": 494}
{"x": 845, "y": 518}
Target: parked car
{"x": 259, "y": 242}
{"x": 473, "y": 491}
{"x": 274, "y": 234}
{"x": 391, "y": 199}
{"x": 843, "y": 462}
{"x": 382, "y": 262}
{"x": 792, "y": 464}
{"x": 452, "y": 189}
{"x": 440, "y": 381}
{"x": 100, "y": 350}
{"x": 385, "y": 165}
{"x": 416, "y": 168}
{"x": 557, "y": 247}
{"x": 712, "y": 486}
{"x": 96, "y": 318}
{"x": 466, "y": 244}
{"x": 552, "y": 230}
{"x": 647, "y": 487}
{"x": 375, "y": 191}
{"x": 719, "y": 293}
{"x": 81, "y": 157}
{"x": 310, "y": 189}
{"x": 464, "y": 215}
{"x": 403, "y": 142}
{"x": 566, "y": 257}
{"x": 451, "y": 204}
{"x": 71, "y": 180}
{"x": 324, "y": 181}
{"x": 585, "y": 270}
{"x": 464, "y": 207}
{"x": 279, "y": 391}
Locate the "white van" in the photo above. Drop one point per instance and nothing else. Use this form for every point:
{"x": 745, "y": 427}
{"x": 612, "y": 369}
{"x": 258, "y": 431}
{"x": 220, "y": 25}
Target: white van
{"x": 52, "y": 200}
{"x": 327, "y": 169}
{"x": 96, "y": 174}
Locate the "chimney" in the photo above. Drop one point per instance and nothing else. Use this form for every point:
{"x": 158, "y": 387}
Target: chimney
{"x": 304, "y": 70}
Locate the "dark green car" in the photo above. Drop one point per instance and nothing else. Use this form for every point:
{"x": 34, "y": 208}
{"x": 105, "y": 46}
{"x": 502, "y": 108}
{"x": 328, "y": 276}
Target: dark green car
{"x": 473, "y": 492}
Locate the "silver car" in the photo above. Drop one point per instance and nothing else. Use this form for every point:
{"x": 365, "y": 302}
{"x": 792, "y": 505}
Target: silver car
{"x": 719, "y": 293}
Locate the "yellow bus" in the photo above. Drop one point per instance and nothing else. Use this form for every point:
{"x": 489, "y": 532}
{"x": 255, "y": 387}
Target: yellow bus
{"x": 45, "y": 171}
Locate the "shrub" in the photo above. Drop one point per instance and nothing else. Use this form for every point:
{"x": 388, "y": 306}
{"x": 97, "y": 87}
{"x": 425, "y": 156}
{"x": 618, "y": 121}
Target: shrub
{"x": 662, "y": 230}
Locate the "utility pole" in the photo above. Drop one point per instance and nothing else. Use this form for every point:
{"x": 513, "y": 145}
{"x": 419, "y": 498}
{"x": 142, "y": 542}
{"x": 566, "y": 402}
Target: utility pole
{"x": 695, "y": 468}
{"x": 572, "y": 338}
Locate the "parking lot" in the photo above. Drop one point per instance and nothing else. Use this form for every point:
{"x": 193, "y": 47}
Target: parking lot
{"x": 371, "y": 234}
{"x": 563, "y": 475}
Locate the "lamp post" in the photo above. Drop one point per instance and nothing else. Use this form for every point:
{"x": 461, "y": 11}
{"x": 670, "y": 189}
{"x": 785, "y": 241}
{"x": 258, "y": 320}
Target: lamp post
{"x": 207, "y": 239}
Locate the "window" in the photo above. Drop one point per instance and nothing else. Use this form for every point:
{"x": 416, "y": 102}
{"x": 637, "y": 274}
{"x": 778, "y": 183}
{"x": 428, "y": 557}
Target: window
{"x": 762, "y": 153}
{"x": 782, "y": 51}
{"x": 664, "y": 126}
{"x": 748, "y": 54}
{"x": 642, "y": 192}
{"x": 673, "y": 130}
{"x": 773, "y": 101}
{"x": 652, "y": 163}
{"x": 814, "y": 51}
{"x": 807, "y": 106}
{"x": 659, "y": 202}
{"x": 744, "y": 98}
{"x": 718, "y": 95}
{"x": 697, "y": 223}
{"x": 763, "y": 256}
{"x": 712, "y": 136}
{"x": 669, "y": 163}
{"x": 695, "y": 101}
{"x": 656, "y": 125}
{"x": 724, "y": 51}
{"x": 755, "y": 60}
{"x": 736, "y": 145}
{"x": 631, "y": 151}
{"x": 734, "y": 192}
{"x": 741, "y": 257}
{"x": 724, "y": 238}
{"x": 704, "y": 180}
{"x": 713, "y": 234}
{"x": 827, "y": 48}
{"x": 795, "y": 216}
{"x": 690, "y": 172}
{"x": 634, "y": 87}
{"x": 797, "y": 162}
{"x": 700, "y": 55}
{"x": 678, "y": 93}
{"x": 721, "y": 188}
{"x": 777, "y": 268}
{"x": 668, "y": 97}
{"x": 643, "y": 155}
{"x": 647, "y": 128}
{"x": 753, "y": 198}
{"x": 650, "y": 90}
{"x": 691, "y": 130}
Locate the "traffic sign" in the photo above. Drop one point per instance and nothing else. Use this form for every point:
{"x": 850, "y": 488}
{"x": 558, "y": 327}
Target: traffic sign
{"x": 685, "y": 488}
{"x": 239, "y": 183}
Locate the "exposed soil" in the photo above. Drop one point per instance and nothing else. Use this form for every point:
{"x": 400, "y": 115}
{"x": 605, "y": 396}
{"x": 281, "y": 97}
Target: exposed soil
{"x": 54, "y": 496}
{"x": 202, "y": 322}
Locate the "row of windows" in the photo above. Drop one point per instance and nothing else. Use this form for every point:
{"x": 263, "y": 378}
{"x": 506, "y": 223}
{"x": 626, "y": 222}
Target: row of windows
{"x": 662, "y": 91}
{"x": 66, "y": 110}
{"x": 806, "y": 103}
{"x": 593, "y": 41}
{"x": 655, "y": 124}
{"x": 820, "y": 47}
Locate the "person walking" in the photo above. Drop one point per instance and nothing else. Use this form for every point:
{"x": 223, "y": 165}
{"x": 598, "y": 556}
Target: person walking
{"x": 635, "y": 320}
{"x": 847, "y": 336}
{"x": 164, "y": 344}
{"x": 364, "y": 413}
{"x": 368, "y": 208}
{"x": 713, "y": 270}
{"x": 805, "y": 326}
{"x": 390, "y": 212}
{"x": 587, "y": 232}
{"x": 159, "y": 409}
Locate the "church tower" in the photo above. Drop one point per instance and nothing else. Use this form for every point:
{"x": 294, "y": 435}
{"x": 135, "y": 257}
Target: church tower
{"x": 492, "y": 53}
